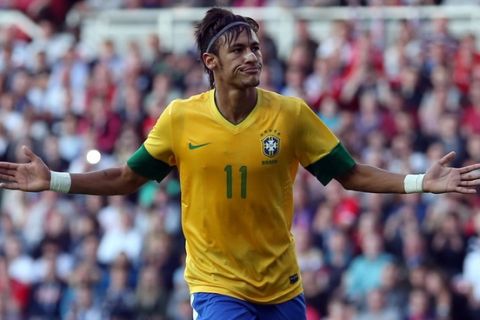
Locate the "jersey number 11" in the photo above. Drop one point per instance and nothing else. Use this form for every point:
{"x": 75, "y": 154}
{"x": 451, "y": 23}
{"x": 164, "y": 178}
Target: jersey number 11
{"x": 243, "y": 181}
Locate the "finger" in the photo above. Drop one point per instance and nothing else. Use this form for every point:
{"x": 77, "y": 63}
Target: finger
{"x": 7, "y": 177}
{"x": 8, "y": 173}
{"x": 28, "y": 153}
{"x": 447, "y": 158}
{"x": 9, "y": 185}
{"x": 470, "y": 183}
{"x": 470, "y": 176}
{"x": 465, "y": 190}
{"x": 8, "y": 165}
{"x": 470, "y": 168}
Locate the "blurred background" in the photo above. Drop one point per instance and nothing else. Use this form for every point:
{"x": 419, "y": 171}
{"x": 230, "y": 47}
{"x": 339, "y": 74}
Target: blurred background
{"x": 82, "y": 83}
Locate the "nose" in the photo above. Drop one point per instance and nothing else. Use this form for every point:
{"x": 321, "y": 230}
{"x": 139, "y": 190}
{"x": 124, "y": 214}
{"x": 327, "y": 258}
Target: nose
{"x": 250, "y": 56}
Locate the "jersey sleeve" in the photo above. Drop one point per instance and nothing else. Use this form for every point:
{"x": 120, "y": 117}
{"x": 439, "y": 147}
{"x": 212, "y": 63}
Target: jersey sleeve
{"x": 318, "y": 149}
{"x": 155, "y": 158}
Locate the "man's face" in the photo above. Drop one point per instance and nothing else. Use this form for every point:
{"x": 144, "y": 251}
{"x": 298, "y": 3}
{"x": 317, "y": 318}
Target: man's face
{"x": 240, "y": 62}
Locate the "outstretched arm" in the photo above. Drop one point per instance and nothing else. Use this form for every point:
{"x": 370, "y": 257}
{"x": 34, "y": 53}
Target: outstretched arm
{"x": 438, "y": 179}
{"x": 36, "y": 176}
{"x": 114, "y": 181}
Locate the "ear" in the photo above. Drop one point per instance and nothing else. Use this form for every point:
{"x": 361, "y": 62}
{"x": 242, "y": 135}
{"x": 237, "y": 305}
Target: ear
{"x": 210, "y": 60}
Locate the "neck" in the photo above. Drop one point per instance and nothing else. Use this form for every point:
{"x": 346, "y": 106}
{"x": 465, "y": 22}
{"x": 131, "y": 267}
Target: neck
{"x": 235, "y": 105}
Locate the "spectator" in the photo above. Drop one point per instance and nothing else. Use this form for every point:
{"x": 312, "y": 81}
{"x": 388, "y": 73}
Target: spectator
{"x": 377, "y": 308}
{"x": 393, "y": 288}
{"x": 70, "y": 142}
{"x": 467, "y": 58}
{"x": 309, "y": 257}
{"x": 151, "y": 296}
{"x": 159, "y": 253}
{"x": 473, "y": 148}
{"x": 119, "y": 301}
{"x": 67, "y": 86}
{"x": 411, "y": 89}
{"x": 370, "y": 117}
{"x": 364, "y": 273}
{"x": 329, "y": 112}
{"x": 471, "y": 275}
{"x": 338, "y": 45}
{"x": 470, "y": 123}
{"x": 20, "y": 266}
{"x": 9, "y": 304}
{"x": 449, "y": 135}
{"x": 126, "y": 239}
{"x": 53, "y": 43}
{"x": 321, "y": 82}
{"x": 47, "y": 293}
{"x": 414, "y": 252}
{"x": 448, "y": 244}
{"x": 294, "y": 82}
{"x": 340, "y": 309}
{"x": 418, "y": 306}
{"x": 437, "y": 286}
{"x": 404, "y": 157}
{"x": 443, "y": 97}
{"x": 84, "y": 306}
{"x": 404, "y": 53}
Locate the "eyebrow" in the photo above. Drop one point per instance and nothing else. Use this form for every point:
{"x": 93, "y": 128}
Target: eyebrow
{"x": 239, "y": 44}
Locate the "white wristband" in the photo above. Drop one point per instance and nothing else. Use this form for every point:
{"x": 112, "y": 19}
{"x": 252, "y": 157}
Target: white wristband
{"x": 60, "y": 181}
{"x": 413, "y": 183}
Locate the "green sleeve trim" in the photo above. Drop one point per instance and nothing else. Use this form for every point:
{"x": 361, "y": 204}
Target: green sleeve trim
{"x": 144, "y": 164}
{"x": 335, "y": 164}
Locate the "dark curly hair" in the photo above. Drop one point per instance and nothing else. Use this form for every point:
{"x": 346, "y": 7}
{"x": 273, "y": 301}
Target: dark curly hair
{"x": 215, "y": 20}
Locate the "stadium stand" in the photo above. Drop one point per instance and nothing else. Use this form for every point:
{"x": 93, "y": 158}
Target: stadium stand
{"x": 399, "y": 83}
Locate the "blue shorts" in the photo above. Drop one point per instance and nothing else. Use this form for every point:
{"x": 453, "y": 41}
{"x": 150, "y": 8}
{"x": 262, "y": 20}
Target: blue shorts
{"x": 212, "y": 306}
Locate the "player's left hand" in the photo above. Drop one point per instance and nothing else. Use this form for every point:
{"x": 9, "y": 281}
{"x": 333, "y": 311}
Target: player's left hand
{"x": 440, "y": 178}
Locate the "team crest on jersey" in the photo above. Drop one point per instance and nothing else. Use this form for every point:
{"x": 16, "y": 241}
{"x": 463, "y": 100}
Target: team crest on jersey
{"x": 271, "y": 143}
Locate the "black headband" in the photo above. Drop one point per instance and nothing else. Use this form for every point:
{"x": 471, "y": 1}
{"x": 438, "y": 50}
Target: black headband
{"x": 226, "y": 28}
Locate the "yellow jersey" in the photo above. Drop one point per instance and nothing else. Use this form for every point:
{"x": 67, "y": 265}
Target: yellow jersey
{"x": 236, "y": 188}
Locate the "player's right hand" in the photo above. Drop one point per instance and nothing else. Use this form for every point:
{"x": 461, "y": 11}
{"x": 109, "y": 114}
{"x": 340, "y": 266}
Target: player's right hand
{"x": 31, "y": 176}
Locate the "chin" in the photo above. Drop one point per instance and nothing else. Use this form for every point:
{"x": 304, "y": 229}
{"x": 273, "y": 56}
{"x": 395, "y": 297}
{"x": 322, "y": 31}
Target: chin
{"x": 247, "y": 83}
{"x": 252, "y": 83}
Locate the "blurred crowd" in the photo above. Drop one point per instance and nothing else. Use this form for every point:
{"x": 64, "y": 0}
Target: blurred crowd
{"x": 68, "y": 13}
{"x": 398, "y": 106}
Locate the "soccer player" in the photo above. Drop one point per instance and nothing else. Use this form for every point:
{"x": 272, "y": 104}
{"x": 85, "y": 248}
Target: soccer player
{"x": 237, "y": 149}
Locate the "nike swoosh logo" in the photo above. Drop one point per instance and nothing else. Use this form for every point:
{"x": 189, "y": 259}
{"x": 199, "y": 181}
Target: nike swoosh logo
{"x": 196, "y": 146}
